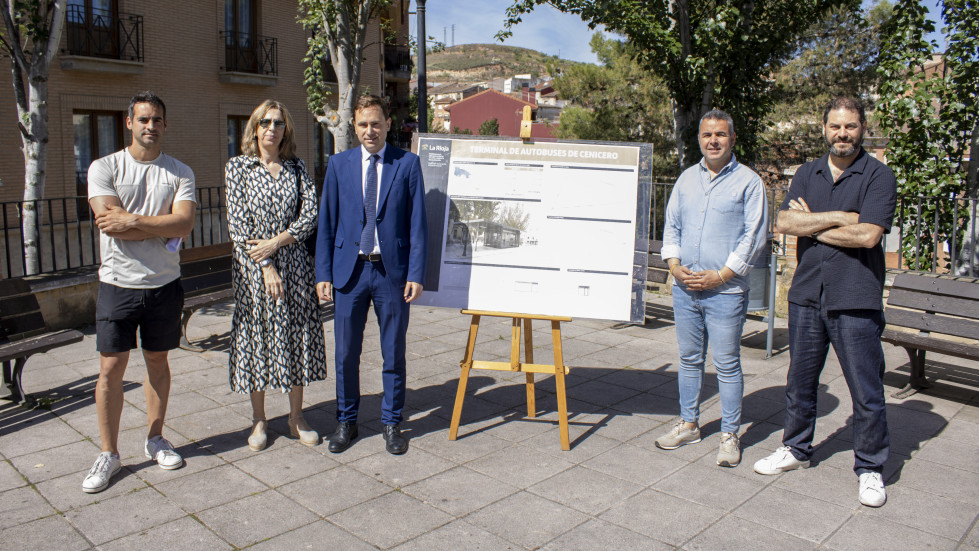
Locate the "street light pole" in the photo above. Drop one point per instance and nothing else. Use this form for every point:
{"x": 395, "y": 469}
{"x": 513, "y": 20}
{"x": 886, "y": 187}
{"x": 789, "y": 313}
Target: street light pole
{"x": 422, "y": 84}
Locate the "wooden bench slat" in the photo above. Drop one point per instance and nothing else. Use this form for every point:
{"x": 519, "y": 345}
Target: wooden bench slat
{"x": 36, "y": 345}
{"x": 12, "y": 287}
{"x": 939, "y": 285}
{"x": 656, "y": 276}
{"x": 931, "y": 344}
{"x": 936, "y": 324}
{"x": 18, "y": 326}
{"x": 201, "y": 301}
{"x": 939, "y": 304}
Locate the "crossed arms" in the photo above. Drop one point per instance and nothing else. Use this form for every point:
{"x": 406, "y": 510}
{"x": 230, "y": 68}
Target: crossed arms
{"x": 837, "y": 228}
{"x": 116, "y": 222}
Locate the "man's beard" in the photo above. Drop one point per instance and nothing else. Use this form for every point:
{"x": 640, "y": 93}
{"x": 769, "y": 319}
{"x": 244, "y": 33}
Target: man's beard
{"x": 845, "y": 149}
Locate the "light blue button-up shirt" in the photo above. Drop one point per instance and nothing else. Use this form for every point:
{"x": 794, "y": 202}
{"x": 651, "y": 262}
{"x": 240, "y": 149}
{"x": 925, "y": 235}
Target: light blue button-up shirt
{"x": 712, "y": 223}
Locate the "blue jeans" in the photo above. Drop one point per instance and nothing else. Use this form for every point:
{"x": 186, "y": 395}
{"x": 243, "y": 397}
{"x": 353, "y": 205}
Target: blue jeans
{"x": 855, "y": 335}
{"x": 700, "y": 315}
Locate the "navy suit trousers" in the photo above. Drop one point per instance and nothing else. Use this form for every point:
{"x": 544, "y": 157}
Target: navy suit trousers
{"x": 369, "y": 283}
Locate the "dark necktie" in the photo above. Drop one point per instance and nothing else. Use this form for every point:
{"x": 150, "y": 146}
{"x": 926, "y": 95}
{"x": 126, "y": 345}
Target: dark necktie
{"x": 370, "y": 207}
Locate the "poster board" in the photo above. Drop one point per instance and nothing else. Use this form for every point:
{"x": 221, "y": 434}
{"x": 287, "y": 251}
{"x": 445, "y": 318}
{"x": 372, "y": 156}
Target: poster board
{"x": 550, "y": 228}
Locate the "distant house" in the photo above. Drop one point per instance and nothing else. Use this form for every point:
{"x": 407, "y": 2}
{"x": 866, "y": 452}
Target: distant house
{"x": 470, "y": 113}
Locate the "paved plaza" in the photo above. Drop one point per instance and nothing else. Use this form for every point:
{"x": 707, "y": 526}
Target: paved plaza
{"x": 505, "y": 483}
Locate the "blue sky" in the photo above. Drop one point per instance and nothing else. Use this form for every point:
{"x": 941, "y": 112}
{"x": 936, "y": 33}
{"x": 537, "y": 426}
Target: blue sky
{"x": 545, "y": 30}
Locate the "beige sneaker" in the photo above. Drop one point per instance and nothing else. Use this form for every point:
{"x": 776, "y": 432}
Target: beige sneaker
{"x": 678, "y": 436}
{"x": 729, "y": 454}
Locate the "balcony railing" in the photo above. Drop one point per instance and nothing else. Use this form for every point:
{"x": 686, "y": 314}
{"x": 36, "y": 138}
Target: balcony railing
{"x": 249, "y": 53}
{"x": 68, "y": 239}
{"x": 397, "y": 58}
{"x": 103, "y": 34}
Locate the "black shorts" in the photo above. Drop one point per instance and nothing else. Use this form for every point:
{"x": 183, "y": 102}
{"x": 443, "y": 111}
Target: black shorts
{"x": 156, "y": 312}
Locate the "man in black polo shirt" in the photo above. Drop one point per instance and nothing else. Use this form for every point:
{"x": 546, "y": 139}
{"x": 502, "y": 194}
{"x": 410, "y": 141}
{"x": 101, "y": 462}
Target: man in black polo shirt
{"x": 840, "y": 206}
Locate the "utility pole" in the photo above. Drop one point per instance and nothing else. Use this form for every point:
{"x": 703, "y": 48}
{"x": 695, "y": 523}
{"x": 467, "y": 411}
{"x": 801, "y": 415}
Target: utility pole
{"x": 422, "y": 68}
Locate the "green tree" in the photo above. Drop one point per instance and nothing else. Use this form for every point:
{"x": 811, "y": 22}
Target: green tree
{"x": 836, "y": 56}
{"x": 709, "y": 54}
{"x": 339, "y": 34}
{"x": 618, "y": 101}
{"x": 30, "y": 36}
{"x": 489, "y": 127}
{"x": 930, "y": 117}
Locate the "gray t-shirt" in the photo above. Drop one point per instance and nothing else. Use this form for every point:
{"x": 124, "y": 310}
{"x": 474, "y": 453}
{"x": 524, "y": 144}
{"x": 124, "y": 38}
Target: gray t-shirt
{"x": 146, "y": 188}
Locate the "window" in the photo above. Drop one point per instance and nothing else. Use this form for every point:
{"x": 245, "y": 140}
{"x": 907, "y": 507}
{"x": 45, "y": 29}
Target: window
{"x": 236, "y": 127}
{"x": 92, "y": 28}
{"x": 97, "y": 134}
{"x": 240, "y": 35}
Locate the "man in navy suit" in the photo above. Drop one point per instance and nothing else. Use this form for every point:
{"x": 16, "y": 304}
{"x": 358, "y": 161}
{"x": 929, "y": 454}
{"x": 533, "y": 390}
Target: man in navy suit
{"x": 371, "y": 248}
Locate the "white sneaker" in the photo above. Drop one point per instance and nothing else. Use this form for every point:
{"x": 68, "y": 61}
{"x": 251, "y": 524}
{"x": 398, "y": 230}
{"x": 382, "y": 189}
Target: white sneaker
{"x": 872, "y": 490}
{"x": 779, "y": 462}
{"x": 106, "y": 466}
{"x": 161, "y": 450}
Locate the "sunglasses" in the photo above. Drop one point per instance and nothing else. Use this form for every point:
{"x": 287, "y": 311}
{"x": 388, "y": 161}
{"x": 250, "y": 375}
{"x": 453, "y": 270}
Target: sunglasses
{"x": 265, "y": 123}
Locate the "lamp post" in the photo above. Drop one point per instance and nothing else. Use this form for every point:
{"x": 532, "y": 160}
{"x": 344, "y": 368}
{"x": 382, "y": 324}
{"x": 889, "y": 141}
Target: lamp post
{"x": 422, "y": 84}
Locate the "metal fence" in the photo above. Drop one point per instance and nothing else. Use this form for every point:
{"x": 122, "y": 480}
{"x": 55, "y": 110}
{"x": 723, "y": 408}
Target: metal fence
{"x": 249, "y": 53}
{"x": 102, "y": 33}
{"x": 68, "y": 237}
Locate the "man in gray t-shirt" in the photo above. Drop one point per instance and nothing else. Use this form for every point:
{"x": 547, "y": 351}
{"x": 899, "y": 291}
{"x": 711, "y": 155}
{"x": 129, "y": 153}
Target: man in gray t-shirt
{"x": 142, "y": 199}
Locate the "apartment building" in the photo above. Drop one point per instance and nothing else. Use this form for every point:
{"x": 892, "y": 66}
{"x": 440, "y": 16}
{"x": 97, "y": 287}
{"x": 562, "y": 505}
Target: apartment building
{"x": 212, "y": 62}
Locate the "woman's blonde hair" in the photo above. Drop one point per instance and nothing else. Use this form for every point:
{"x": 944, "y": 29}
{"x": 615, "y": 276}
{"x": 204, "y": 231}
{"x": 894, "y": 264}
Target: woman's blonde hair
{"x": 249, "y": 138}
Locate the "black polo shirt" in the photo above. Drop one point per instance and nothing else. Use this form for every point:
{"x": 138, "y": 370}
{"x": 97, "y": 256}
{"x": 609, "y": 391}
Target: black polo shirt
{"x": 849, "y": 278}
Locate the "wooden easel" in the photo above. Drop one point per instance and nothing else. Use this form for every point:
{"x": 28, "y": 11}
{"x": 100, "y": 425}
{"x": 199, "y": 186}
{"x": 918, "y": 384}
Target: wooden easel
{"x": 559, "y": 370}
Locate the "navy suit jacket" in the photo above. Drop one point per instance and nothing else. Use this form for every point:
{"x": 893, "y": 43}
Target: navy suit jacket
{"x": 402, "y": 228}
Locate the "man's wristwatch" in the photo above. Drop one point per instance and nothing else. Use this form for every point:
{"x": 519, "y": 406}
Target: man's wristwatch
{"x": 264, "y": 263}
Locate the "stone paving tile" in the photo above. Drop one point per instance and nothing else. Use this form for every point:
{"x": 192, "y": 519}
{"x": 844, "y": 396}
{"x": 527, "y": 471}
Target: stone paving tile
{"x": 710, "y": 486}
{"x": 10, "y": 478}
{"x": 196, "y": 459}
{"x": 459, "y": 491}
{"x": 334, "y": 490}
{"x": 796, "y": 514}
{"x": 57, "y": 534}
{"x": 597, "y": 534}
{"x": 585, "y": 440}
{"x": 286, "y": 464}
{"x": 961, "y": 431}
{"x": 318, "y": 535}
{"x": 519, "y": 465}
{"x": 465, "y": 448}
{"x": 736, "y": 533}
{"x": 586, "y": 490}
{"x": 255, "y": 518}
{"x": 458, "y": 535}
{"x": 944, "y": 451}
{"x": 826, "y": 483}
{"x": 185, "y": 534}
{"x": 527, "y": 519}
{"x": 971, "y": 540}
{"x": 55, "y": 462}
{"x": 662, "y": 517}
{"x": 942, "y": 481}
{"x": 401, "y": 470}
{"x": 189, "y": 402}
{"x": 22, "y": 505}
{"x": 867, "y": 534}
{"x": 636, "y": 465}
{"x": 132, "y": 512}
{"x": 210, "y": 488}
{"x": 65, "y": 492}
{"x": 926, "y": 512}
{"x": 46, "y": 431}
{"x": 390, "y": 519}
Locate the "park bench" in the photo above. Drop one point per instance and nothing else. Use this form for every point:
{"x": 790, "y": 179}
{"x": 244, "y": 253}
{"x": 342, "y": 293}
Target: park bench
{"x": 23, "y": 334}
{"x": 932, "y": 313}
{"x": 205, "y": 274}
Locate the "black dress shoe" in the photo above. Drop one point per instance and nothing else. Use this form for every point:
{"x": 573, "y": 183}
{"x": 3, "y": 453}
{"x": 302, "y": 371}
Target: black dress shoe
{"x": 394, "y": 443}
{"x": 341, "y": 438}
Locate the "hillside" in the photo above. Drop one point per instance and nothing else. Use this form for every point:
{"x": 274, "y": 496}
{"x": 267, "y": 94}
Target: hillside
{"x": 476, "y": 62}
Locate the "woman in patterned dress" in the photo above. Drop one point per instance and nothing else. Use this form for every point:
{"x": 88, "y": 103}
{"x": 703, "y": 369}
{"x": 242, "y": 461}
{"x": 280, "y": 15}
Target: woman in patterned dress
{"x": 276, "y": 334}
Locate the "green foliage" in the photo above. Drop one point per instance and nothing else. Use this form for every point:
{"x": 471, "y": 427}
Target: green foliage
{"x": 463, "y": 131}
{"x": 489, "y": 127}
{"x": 929, "y": 116}
{"x": 836, "y": 56}
{"x": 709, "y": 54}
{"x": 618, "y": 101}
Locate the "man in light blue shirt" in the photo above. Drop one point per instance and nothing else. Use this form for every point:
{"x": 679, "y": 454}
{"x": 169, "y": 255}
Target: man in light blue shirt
{"x": 716, "y": 225}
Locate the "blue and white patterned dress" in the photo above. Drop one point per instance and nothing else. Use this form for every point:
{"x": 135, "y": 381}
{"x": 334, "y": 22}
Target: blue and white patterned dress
{"x": 274, "y": 345}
